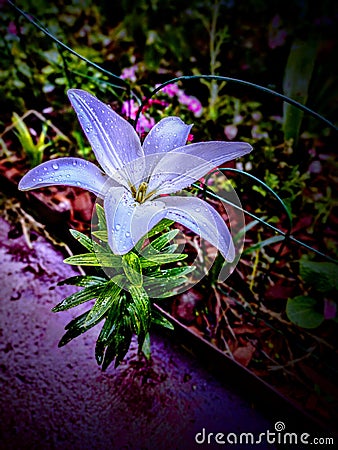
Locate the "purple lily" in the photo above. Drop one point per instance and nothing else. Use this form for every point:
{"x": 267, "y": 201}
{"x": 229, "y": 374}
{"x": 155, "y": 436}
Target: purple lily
{"x": 135, "y": 177}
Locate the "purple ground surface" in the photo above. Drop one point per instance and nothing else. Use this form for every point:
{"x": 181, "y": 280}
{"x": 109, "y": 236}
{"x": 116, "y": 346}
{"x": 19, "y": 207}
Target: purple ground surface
{"x": 55, "y": 398}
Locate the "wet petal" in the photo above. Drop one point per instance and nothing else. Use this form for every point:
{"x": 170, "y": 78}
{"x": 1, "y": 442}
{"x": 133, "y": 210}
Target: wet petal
{"x": 67, "y": 171}
{"x": 168, "y": 134}
{"x": 183, "y": 166}
{"x": 127, "y": 220}
{"x": 202, "y": 219}
{"x": 114, "y": 141}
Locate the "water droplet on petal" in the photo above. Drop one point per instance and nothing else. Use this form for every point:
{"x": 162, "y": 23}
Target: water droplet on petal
{"x": 117, "y": 227}
{"x": 55, "y": 166}
{"x": 74, "y": 163}
{"x": 127, "y": 234}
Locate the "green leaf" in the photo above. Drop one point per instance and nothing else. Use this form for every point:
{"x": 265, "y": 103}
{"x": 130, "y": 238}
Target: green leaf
{"x": 159, "y": 243}
{"x": 163, "y": 287}
{"x": 132, "y": 268}
{"x": 75, "y": 328}
{"x": 107, "y": 297}
{"x": 323, "y": 276}
{"x": 172, "y": 273}
{"x": 106, "y": 336}
{"x": 298, "y": 73}
{"x": 102, "y": 235}
{"x": 140, "y": 306}
{"x": 146, "y": 348}
{"x": 101, "y": 217}
{"x": 83, "y": 280}
{"x": 160, "y": 258}
{"x": 158, "y": 319}
{"x": 105, "y": 259}
{"x": 83, "y": 239}
{"x": 79, "y": 297}
{"x": 161, "y": 226}
{"x": 302, "y": 311}
{"x": 119, "y": 344}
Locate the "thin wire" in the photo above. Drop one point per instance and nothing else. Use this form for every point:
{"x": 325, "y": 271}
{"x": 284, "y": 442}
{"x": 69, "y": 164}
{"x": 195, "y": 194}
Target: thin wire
{"x": 244, "y": 83}
{"x": 267, "y": 224}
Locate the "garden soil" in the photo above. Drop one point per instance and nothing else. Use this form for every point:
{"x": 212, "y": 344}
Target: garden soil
{"x": 58, "y": 398}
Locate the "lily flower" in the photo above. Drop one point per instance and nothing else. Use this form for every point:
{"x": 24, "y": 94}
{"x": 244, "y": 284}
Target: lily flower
{"x": 136, "y": 179}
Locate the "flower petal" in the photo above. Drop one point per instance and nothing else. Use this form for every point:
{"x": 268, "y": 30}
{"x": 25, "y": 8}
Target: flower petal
{"x": 127, "y": 220}
{"x": 114, "y": 141}
{"x": 67, "y": 171}
{"x": 167, "y": 134}
{"x": 202, "y": 219}
{"x": 181, "y": 167}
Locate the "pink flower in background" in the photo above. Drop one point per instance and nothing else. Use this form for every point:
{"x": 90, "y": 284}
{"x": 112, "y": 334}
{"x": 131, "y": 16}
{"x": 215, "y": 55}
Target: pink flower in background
{"x": 129, "y": 73}
{"x": 230, "y": 131}
{"x": 171, "y": 90}
{"x": 192, "y": 103}
{"x": 130, "y": 108}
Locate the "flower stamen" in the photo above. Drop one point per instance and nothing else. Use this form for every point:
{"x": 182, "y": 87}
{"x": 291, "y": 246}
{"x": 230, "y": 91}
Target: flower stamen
{"x": 140, "y": 195}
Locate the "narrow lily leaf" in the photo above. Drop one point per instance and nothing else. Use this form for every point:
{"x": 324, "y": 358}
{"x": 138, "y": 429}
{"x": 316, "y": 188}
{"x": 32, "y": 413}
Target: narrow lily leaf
{"x": 132, "y": 268}
{"x": 142, "y": 308}
{"x": 119, "y": 346}
{"x": 158, "y": 319}
{"x": 102, "y": 235}
{"x": 95, "y": 259}
{"x": 107, "y": 297}
{"x": 158, "y": 259}
{"x": 86, "y": 294}
{"x": 159, "y": 243}
{"x": 83, "y": 239}
{"x": 101, "y": 217}
{"x": 173, "y": 273}
{"x": 162, "y": 288}
{"x": 161, "y": 226}
{"x": 106, "y": 336}
{"x": 83, "y": 280}
{"x": 146, "y": 349}
{"x": 112, "y": 320}
{"x": 75, "y": 328}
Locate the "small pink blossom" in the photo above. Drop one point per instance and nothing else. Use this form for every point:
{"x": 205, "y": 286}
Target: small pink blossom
{"x": 130, "y": 108}
{"x": 144, "y": 123}
{"x": 230, "y": 131}
{"x": 129, "y": 73}
{"x": 171, "y": 90}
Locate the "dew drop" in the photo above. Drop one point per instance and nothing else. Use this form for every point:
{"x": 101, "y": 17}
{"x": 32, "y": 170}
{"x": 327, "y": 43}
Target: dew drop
{"x": 117, "y": 227}
{"x": 55, "y": 166}
{"x": 74, "y": 163}
{"x": 197, "y": 209}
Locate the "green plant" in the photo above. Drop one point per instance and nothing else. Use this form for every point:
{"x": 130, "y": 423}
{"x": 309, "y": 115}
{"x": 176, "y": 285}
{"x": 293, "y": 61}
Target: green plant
{"x": 321, "y": 282}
